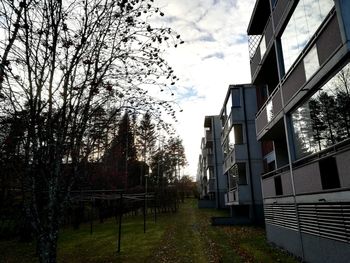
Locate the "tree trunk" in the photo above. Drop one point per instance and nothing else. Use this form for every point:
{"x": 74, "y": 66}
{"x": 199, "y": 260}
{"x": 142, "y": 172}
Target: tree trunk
{"x": 47, "y": 246}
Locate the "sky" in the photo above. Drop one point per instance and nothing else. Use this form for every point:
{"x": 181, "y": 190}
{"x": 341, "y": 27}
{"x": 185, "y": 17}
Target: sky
{"x": 215, "y": 55}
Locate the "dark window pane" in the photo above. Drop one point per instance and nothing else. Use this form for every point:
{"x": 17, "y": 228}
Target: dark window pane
{"x": 329, "y": 173}
{"x": 238, "y": 133}
{"x": 278, "y": 185}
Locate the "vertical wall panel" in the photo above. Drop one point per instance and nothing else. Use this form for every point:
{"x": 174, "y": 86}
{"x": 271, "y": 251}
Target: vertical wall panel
{"x": 329, "y": 40}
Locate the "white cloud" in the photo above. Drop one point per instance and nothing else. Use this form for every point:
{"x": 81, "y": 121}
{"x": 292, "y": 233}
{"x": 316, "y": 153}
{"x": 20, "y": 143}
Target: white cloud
{"x": 215, "y": 55}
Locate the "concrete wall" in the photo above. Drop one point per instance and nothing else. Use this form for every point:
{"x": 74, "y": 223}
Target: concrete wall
{"x": 309, "y": 247}
{"x": 307, "y": 179}
{"x": 284, "y": 238}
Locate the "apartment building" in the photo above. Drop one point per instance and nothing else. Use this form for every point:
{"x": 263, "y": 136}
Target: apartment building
{"x": 299, "y": 57}
{"x": 242, "y": 154}
{"x": 212, "y": 181}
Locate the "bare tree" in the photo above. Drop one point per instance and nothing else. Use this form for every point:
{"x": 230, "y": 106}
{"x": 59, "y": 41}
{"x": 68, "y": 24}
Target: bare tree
{"x": 62, "y": 62}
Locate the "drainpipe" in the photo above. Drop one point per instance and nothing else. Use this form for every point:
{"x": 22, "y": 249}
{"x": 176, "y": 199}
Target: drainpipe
{"x": 216, "y": 170}
{"x": 289, "y": 149}
{"x": 249, "y": 160}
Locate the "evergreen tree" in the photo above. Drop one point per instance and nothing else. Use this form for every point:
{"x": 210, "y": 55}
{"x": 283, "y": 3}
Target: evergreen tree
{"x": 317, "y": 123}
{"x": 343, "y": 109}
{"x": 121, "y": 153}
{"x": 329, "y": 117}
{"x": 147, "y": 137}
{"x": 167, "y": 162}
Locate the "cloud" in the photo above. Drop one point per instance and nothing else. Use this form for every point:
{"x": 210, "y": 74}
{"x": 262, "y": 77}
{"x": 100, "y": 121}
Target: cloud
{"x": 215, "y": 55}
{"x": 206, "y": 38}
{"x": 219, "y": 55}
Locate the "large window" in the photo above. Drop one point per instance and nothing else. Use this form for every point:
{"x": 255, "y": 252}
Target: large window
{"x": 324, "y": 119}
{"x": 307, "y": 17}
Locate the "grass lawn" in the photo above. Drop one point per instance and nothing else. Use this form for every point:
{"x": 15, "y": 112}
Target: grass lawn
{"x": 184, "y": 237}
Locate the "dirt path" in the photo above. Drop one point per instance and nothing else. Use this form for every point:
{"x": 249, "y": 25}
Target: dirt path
{"x": 191, "y": 238}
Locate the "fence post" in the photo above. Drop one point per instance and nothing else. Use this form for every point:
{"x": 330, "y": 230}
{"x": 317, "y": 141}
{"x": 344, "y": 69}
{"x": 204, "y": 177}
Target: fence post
{"x": 120, "y": 221}
{"x": 144, "y": 213}
{"x": 155, "y": 208}
{"x": 91, "y": 214}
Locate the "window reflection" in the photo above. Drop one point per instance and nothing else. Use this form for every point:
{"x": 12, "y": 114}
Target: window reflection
{"x": 228, "y": 106}
{"x": 307, "y": 17}
{"x": 311, "y": 63}
{"x": 324, "y": 119}
{"x": 269, "y": 111}
{"x": 262, "y": 47}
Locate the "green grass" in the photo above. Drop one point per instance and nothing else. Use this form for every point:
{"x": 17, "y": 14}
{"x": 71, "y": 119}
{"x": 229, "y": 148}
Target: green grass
{"x": 184, "y": 237}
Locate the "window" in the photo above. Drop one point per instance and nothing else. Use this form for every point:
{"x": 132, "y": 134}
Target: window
{"x": 278, "y": 185}
{"x": 324, "y": 119}
{"x": 307, "y": 17}
{"x": 329, "y": 173}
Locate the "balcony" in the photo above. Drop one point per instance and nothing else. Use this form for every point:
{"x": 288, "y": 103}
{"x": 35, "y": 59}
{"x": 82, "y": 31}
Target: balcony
{"x": 258, "y": 51}
{"x": 231, "y": 197}
{"x": 238, "y": 154}
{"x": 240, "y": 195}
{"x": 208, "y": 138}
{"x": 269, "y": 183}
{"x": 311, "y": 173}
{"x": 206, "y": 152}
{"x": 269, "y": 112}
{"x": 328, "y": 42}
{"x": 259, "y": 17}
{"x": 209, "y": 161}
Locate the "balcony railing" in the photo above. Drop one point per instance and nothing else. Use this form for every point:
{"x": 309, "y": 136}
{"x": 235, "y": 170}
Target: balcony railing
{"x": 210, "y": 160}
{"x": 208, "y": 137}
{"x": 231, "y": 197}
{"x": 269, "y": 110}
{"x": 238, "y": 153}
